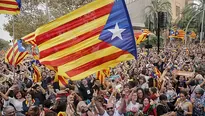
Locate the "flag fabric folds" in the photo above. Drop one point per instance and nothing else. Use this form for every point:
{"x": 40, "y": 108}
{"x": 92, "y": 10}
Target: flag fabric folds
{"x": 89, "y": 39}
{"x": 10, "y": 7}
{"x": 30, "y": 39}
{"x": 14, "y": 56}
{"x": 36, "y": 73}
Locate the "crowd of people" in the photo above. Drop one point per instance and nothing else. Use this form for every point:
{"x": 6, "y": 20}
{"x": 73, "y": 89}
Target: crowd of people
{"x": 170, "y": 83}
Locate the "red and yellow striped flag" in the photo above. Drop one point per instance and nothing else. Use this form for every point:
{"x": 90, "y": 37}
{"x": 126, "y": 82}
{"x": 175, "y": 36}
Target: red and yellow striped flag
{"x": 92, "y": 38}
{"x": 10, "y": 6}
{"x": 63, "y": 82}
{"x": 30, "y": 39}
{"x": 101, "y": 75}
{"x": 36, "y": 74}
{"x": 13, "y": 56}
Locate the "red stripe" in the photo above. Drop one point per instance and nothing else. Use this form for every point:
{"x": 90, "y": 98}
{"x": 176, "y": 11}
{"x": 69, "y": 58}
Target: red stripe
{"x": 9, "y": 2}
{"x": 94, "y": 63}
{"x": 71, "y": 42}
{"x": 29, "y": 37}
{"x": 9, "y": 9}
{"x": 74, "y": 23}
{"x": 60, "y": 78}
{"x": 98, "y": 75}
{"x": 78, "y": 54}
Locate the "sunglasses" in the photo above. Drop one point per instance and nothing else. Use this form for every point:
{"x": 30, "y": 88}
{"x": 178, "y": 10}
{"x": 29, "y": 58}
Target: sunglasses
{"x": 111, "y": 108}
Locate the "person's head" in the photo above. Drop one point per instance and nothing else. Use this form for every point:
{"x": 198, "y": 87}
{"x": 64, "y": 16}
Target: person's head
{"x": 126, "y": 87}
{"x": 70, "y": 98}
{"x": 9, "y": 111}
{"x": 199, "y": 78}
{"x": 163, "y": 99}
{"x": 146, "y": 101}
{"x": 33, "y": 111}
{"x": 81, "y": 107}
{"x": 199, "y": 93}
{"x": 47, "y": 103}
{"x": 19, "y": 95}
{"x": 29, "y": 96}
{"x": 85, "y": 82}
{"x": 134, "y": 96}
{"x": 140, "y": 93}
{"x": 43, "y": 74}
{"x": 181, "y": 78}
{"x": 110, "y": 109}
{"x": 183, "y": 95}
{"x": 153, "y": 90}
{"x": 50, "y": 114}
{"x": 142, "y": 80}
{"x": 52, "y": 73}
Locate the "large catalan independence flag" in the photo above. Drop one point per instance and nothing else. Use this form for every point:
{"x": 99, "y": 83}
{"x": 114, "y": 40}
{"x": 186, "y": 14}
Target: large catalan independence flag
{"x": 10, "y": 6}
{"x": 89, "y": 39}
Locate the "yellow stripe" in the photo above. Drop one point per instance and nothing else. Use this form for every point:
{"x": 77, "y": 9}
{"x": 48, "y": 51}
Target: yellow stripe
{"x": 8, "y": 5}
{"x": 89, "y": 58}
{"x": 87, "y": 43}
{"x": 9, "y": 12}
{"x": 74, "y": 33}
{"x": 112, "y": 63}
{"x": 73, "y": 15}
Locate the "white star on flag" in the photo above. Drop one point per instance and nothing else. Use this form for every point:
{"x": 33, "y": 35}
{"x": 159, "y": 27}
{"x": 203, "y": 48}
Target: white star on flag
{"x": 116, "y": 32}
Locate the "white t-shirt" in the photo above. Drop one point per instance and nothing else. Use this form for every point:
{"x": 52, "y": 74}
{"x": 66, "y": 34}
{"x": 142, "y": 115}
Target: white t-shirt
{"x": 144, "y": 85}
{"x": 17, "y": 104}
{"x": 115, "y": 114}
{"x": 133, "y": 107}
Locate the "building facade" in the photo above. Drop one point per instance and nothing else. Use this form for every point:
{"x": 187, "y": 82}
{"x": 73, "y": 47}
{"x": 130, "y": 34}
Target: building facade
{"x": 137, "y": 11}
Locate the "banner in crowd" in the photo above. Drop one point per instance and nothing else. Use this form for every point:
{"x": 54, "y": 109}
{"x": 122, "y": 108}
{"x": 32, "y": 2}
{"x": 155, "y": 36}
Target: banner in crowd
{"x": 14, "y": 52}
{"x": 10, "y": 7}
{"x": 89, "y": 39}
{"x": 14, "y": 56}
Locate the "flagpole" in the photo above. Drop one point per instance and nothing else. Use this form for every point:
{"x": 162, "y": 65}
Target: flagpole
{"x": 47, "y": 12}
{"x": 13, "y": 64}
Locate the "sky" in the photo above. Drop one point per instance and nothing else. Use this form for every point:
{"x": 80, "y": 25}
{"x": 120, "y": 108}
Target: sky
{"x": 4, "y": 34}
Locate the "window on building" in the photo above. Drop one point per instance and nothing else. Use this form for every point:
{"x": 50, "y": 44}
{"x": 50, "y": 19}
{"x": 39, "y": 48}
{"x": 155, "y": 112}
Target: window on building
{"x": 177, "y": 11}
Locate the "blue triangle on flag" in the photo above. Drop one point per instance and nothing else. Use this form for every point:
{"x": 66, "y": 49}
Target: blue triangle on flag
{"x": 118, "y": 29}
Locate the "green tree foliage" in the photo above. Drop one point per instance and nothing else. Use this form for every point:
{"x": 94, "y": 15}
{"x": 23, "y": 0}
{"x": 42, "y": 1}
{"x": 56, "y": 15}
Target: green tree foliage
{"x": 152, "y": 12}
{"x": 3, "y": 44}
{"x": 188, "y": 12}
{"x": 33, "y": 14}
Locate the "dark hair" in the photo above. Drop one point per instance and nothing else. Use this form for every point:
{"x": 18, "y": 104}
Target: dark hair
{"x": 184, "y": 92}
{"x": 153, "y": 89}
{"x": 22, "y": 94}
{"x": 61, "y": 105}
{"x": 50, "y": 114}
{"x": 31, "y": 93}
{"x": 47, "y": 103}
{"x": 36, "y": 110}
{"x": 146, "y": 98}
{"x": 162, "y": 97}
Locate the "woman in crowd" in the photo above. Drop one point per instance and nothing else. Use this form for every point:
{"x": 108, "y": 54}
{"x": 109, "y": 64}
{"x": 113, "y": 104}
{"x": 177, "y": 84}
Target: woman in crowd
{"x": 29, "y": 101}
{"x": 148, "y": 107}
{"x": 16, "y": 101}
{"x": 183, "y": 106}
